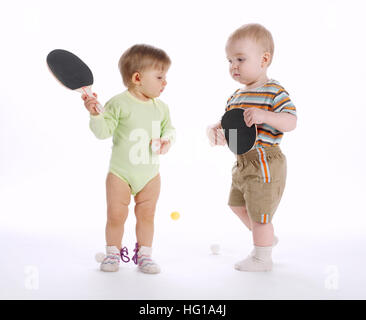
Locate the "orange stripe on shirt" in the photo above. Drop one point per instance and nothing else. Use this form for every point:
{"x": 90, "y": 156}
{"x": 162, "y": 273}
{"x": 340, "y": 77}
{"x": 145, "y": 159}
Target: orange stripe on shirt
{"x": 265, "y": 144}
{"x": 265, "y": 133}
{"x": 274, "y": 85}
{"x": 248, "y": 106}
{"x": 269, "y": 95}
{"x": 264, "y": 166}
{"x": 289, "y": 108}
{"x": 282, "y": 101}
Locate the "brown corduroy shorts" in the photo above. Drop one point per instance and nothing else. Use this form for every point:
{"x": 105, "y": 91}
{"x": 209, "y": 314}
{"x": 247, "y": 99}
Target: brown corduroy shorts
{"x": 258, "y": 181}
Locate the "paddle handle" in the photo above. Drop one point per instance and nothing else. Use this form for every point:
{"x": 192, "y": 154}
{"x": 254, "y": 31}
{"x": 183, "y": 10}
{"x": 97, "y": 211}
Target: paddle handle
{"x": 87, "y": 90}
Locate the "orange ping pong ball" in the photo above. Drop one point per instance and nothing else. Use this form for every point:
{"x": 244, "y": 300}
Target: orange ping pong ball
{"x": 175, "y": 215}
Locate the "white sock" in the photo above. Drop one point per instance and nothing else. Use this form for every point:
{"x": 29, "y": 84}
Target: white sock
{"x": 259, "y": 260}
{"x": 144, "y": 261}
{"x": 275, "y": 241}
{"x": 111, "y": 262}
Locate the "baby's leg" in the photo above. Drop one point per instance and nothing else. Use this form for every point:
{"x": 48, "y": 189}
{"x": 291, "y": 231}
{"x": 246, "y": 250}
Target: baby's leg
{"x": 262, "y": 234}
{"x": 145, "y": 211}
{"x": 118, "y": 199}
{"x": 258, "y": 235}
{"x": 260, "y": 258}
{"x": 146, "y": 201}
{"x": 242, "y": 213}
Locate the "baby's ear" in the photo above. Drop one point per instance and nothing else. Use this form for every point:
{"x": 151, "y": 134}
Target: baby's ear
{"x": 266, "y": 58}
{"x": 136, "y": 78}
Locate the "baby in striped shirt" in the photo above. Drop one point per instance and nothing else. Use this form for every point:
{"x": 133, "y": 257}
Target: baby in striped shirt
{"x": 258, "y": 176}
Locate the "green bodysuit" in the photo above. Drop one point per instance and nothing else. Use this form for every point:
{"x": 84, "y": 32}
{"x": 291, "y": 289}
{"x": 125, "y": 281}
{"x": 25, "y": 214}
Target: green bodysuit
{"x": 133, "y": 123}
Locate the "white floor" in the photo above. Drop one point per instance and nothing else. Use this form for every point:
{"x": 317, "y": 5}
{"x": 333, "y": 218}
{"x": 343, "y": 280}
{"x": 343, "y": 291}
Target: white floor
{"x": 45, "y": 266}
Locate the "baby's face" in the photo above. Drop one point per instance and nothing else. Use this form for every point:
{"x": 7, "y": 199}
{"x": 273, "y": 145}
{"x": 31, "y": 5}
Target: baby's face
{"x": 153, "y": 82}
{"x": 245, "y": 60}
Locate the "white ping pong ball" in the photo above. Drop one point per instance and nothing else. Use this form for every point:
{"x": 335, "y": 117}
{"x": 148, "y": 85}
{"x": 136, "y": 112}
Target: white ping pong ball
{"x": 215, "y": 248}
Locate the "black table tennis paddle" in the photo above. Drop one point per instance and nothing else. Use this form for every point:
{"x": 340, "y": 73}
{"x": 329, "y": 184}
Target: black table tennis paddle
{"x": 72, "y": 72}
{"x": 239, "y": 137}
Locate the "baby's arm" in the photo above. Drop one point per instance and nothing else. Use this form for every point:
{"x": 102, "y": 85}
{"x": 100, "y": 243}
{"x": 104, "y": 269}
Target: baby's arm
{"x": 167, "y": 134}
{"x": 104, "y": 124}
{"x": 167, "y": 130}
{"x": 282, "y": 121}
{"x": 282, "y": 115}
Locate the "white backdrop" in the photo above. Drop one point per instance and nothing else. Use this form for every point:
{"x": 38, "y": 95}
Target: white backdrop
{"x": 53, "y": 169}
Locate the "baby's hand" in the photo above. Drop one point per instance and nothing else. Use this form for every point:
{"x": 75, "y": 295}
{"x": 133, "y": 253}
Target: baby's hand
{"x": 90, "y": 103}
{"x": 254, "y": 116}
{"x": 216, "y": 135}
{"x": 160, "y": 146}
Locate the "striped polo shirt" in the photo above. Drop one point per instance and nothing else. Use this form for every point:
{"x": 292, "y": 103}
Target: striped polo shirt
{"x": 270, "y": 97}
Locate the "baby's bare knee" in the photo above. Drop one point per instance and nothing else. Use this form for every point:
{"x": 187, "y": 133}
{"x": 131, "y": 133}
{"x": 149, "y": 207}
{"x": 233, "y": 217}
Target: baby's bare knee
{"x": 117, "y": 214}
{"x": 145, "y": 210}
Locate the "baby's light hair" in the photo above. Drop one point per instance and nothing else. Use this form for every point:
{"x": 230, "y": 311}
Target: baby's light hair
{"x": 256, "y": 32}
{"x": 139, "y": 58}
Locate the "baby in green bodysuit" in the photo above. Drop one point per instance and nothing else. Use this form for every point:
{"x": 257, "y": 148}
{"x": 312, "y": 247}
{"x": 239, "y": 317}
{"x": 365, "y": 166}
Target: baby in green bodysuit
{"x": 141, "y": 128}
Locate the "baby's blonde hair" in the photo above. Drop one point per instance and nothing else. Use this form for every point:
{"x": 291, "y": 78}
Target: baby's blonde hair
{"x": 256, "y": 32}
{"x": 139, "y": 58}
